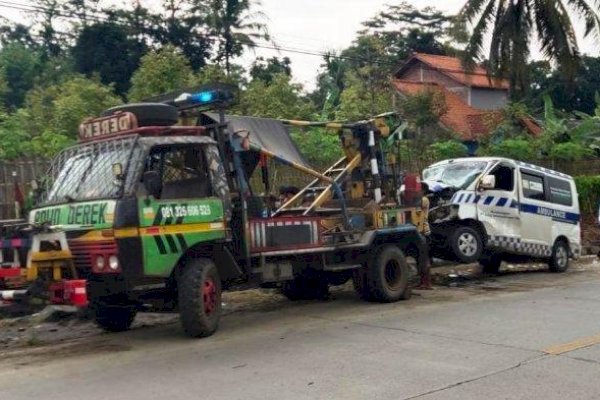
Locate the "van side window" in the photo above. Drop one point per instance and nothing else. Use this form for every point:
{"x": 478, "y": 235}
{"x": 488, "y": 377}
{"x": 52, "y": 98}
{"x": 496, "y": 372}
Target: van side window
{"x": 560, "y": 191}
{"x": 505, "y": 178}
{"x": 533, "y": 186}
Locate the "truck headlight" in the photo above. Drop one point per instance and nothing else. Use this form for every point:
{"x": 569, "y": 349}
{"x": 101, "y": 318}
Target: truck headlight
{"x": 113, "y": 262}
{"x": 100, "y": 262}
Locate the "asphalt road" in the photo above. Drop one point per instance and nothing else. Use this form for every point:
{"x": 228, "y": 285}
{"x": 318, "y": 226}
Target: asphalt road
{"x": 519, "y": 336}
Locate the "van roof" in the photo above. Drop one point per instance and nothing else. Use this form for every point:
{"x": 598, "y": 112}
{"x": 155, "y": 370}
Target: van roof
{"x": 494, "y": 159}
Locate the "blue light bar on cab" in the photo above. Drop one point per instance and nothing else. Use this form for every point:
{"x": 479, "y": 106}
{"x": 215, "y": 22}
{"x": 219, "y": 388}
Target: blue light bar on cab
{"x": 202, "y": 97}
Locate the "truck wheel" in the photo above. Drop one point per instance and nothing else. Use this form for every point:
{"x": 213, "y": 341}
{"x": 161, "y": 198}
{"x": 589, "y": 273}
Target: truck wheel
{"x": 199, "y": 296}
{"x": 466, "y": 244}
{"x": 559, "y": 262}
{"x": 387, "y": 276}
{"x": 114, "y": 318}
{"x": 306, "y": 288}
{"x": 148, "y": 114}
{"x": 491, "y": 264}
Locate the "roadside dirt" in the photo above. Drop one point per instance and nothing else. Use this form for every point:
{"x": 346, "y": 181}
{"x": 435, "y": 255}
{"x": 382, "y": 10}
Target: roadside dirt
{"x": 56, "y": 327}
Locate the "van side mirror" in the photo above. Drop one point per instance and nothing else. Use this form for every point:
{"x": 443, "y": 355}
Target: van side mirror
{"x": 152, "y": 183}
{"x": 488, "y": 182}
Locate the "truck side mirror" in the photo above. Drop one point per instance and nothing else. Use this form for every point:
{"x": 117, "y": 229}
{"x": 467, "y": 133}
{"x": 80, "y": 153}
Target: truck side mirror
{"x": 488, "y": 182}
{"x": 152, "y": 183}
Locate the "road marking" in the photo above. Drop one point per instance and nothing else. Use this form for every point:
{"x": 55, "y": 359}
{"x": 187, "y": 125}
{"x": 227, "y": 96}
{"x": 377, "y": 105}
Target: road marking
{"x": 571, "y": 346}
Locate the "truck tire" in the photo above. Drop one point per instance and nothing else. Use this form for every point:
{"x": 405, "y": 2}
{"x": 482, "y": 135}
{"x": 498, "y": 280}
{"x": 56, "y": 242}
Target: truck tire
{"x": 466, "y": 244}
{"x": 559, "y": 262}
{"x": 199, "y": 298}
{"x": 386, "y": 278}
{"x": 148, "y": 114}
{"x": 113, "y": 318}
{"x": 306, "y": 288}
{"x": 491, "y": 264}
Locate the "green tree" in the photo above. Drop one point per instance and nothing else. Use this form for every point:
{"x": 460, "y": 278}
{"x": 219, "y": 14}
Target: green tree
{"x": 3, "y": 84}
{"x": 20, "y": 66}
{"x": 182, "y": 24}
{"x": 160, "y": 72}
{"x": 59, "y": 109}
{"x": 15, "y": 141}
{"x": 106, "y": 49}
{"x": 423, "y": 109}
{"x": 16, "y": 33}
{"x": 51, "y": 116}
{"x": 52, "y": 41}
{"x": 330, "y": 85}
{"x": 360, "y": 99}
{"x": 234, "y": 25}
{"x": 405, "y": 28}
{"x": 506, "y": 123}
{"x": 327, "y": 143}
{"x": 280, "y": 99}
{"x": 215, "y": 73}
{"x": 83, "y": 11}
{"x": 513, "y": 24}
{"x": 578, "y": 95}
{"x": 265, "y": 70}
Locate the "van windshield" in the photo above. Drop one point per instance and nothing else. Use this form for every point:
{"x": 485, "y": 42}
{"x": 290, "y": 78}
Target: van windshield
{"x": 456, "y": 174}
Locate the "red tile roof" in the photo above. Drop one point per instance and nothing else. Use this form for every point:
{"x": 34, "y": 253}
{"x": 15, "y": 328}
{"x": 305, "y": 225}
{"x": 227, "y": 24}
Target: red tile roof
{"x": 468, "y": 122}
{"x": 453, "y": 68}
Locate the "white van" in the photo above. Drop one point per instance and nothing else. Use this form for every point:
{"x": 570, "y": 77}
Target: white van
{"x": 497, "y": 209}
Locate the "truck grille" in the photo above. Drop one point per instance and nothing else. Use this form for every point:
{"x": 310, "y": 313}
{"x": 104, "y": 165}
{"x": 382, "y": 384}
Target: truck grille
{"x": 83, "y": 252}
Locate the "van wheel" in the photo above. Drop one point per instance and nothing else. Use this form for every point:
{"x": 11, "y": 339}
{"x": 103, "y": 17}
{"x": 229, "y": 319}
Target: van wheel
{"x": 491, "y": 264}
{"x": 559, "y": 262}
{"x": 199, "y": 295}
{"x": 466, "y": 244}
{"x": 386, "y": 277}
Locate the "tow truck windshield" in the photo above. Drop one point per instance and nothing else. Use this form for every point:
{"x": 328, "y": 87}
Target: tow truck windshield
{"x": 458, "y": 175}
{"x": 86, "y": 172}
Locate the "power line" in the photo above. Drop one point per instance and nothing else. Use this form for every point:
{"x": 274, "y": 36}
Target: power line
{"x": 322, "y": 54}
{"x": 40, "y": 9}
{"x": 316, "y": 53}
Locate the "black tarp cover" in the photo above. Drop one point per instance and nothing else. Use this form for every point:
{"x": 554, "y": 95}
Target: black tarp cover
{"x": 267, "y": 133}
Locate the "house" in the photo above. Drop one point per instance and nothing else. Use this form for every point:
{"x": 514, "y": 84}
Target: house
{"x": 473, "y": 99}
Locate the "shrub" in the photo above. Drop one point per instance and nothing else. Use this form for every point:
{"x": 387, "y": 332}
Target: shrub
{"x": 518, "y": 149}
{"x": 448, "y": 149}
{"x": 588, "y": 188}
{"x": 570, "y": 151}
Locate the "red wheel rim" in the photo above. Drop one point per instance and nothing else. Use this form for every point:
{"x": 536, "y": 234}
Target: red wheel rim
{"x": 209, "y": 296}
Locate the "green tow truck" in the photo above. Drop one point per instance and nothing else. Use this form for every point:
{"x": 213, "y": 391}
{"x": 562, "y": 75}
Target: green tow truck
{"x": 159, "y": 208}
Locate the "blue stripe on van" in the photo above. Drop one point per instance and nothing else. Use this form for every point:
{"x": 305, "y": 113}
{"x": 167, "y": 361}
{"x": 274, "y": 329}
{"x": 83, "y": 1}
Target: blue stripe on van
{"x": 488, "y": 200}
{"x": 502, "y": 202}
{"x": 556, "y": 215}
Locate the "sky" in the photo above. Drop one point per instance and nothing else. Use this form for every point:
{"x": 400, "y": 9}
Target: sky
{"x": 317, "y": 26}
{"x": 321, "y": 25}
